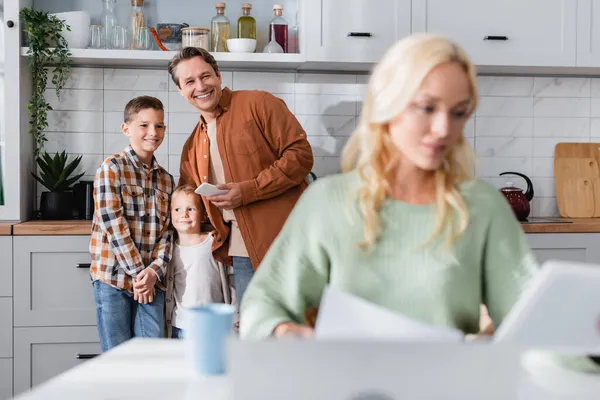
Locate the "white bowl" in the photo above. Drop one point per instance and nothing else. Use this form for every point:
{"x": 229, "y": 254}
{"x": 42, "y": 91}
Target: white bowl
{"x": 241, "y": 45}
{"x": 79, "y": 21}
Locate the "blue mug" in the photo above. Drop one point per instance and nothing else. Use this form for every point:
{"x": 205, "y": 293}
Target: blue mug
{"x": 170, "y": 33}
{"x": 206, "y": 333}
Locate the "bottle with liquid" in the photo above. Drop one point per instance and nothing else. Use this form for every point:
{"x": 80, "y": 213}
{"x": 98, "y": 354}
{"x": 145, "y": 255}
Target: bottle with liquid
{"x": 109, "y": 20}
{"x": 246, "y": 27}
{"x": 219, "y": 26}
{"x": 279, "y": 28}
{"x": 137, "y": 21}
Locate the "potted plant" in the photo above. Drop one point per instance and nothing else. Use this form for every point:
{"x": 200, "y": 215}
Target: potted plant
{"x": 46, "y": 46}
{"x": 55, "y": 175}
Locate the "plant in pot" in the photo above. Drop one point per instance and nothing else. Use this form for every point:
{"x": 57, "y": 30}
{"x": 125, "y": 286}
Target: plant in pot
{"x": 56, "y": 176}
{"x": 47, "y": 46}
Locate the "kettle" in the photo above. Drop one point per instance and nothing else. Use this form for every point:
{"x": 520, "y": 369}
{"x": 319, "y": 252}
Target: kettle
{"x": 518, "y": 200}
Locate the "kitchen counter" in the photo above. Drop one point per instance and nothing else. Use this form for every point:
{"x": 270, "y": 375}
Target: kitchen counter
{"x": 69, "y": 227}
{"x": 6, "y": 228}
{"x": 562, "y": 225}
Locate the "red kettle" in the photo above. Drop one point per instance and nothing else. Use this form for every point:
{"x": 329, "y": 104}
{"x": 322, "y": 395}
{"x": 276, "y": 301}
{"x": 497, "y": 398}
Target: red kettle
{"x": 518, "y": 200}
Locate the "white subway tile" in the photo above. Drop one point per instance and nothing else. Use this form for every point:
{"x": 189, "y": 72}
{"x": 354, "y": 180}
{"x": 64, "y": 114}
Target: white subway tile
{"x": 226, "y": 81}
{"x": 505, "y": 86}
{"x": 274, "y": 82}
{"x": 80, "y": 78}
{"x": 324, "y": 166}
{"x": 183, "y": 123}
{"x": 314, "y": 104}
{"x": 561, "y": 127}
{"x": 561, "y": 87}
{"x": 327, "y": 146}
{"x": 174, "y": 162}
{"x": 75, "y": 100}
{"x": 178, "y": 104}
{"x": 544, "y": 207}
{"x": 135, "y": 79}
{"x": 327, "y": 125}
{"x": 176, "y": 142}
{"x": 595, "y": 129}
{"x": 595, "y": 108}
{"x": 595, "y": 91}
{"x": 163, "y": 160}
{"x": 113, "y": 121}
{"x": 74, "y": 142}
{"x": 326, "y": 84}
{"x": 469, "y": 129}
{"x": 503, "y": 126}
{"x": 505, "y": 107}
{"x": 544, "y": 147}
{"x": 561, "y": 107}
{"x": 504, "y": 147}
{"x": 493, "y": 166}
{"x": 75, "y": 121}
{"x": 89, "y": 163}
{"x": 544, "y": 187}
{"x": 289, "y": 100}
{"x": 116, "y": 100}
{"x": 543, "y": 167}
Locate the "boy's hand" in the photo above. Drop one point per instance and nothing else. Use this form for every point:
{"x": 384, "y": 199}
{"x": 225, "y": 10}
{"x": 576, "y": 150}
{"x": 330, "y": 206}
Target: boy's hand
{"x": 143, "y": 298}
{"x": 143, "y": 287}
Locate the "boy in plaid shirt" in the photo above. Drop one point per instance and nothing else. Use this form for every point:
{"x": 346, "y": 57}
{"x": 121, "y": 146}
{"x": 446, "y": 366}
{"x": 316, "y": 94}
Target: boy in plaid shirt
{"x": 131, "y": 240}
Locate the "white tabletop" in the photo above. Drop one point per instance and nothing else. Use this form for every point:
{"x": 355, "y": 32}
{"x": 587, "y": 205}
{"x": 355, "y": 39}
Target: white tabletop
{"x": 156, "y": 369}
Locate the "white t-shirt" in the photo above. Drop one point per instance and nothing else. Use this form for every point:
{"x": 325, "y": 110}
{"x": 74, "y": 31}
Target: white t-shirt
{"x": 199, "y": 279}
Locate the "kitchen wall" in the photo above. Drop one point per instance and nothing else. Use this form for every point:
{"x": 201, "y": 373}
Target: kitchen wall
{"x": 517, "y": 124}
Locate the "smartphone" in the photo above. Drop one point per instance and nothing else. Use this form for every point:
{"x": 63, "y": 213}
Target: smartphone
{"x": 207, "y": 189}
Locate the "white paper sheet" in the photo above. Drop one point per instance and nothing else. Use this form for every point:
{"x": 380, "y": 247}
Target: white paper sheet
{"x": 344, "y": 316}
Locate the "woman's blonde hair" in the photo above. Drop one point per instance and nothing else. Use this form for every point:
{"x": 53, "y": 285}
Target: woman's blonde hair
{"x": 394, "y": 82}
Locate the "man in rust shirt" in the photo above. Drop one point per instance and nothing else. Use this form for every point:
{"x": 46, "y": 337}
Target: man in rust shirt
{"x": 250, "y": 144}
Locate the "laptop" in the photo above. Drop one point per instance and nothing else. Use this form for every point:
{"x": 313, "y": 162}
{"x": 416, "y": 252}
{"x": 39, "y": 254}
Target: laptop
{"x": 366, "y": 370}
{"x": 559, "y": 311}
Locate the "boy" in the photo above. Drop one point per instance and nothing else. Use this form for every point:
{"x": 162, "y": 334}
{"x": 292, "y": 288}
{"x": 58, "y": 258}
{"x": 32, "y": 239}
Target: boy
{"x": 194, "y": 277}
{"x": 131, "y": 240}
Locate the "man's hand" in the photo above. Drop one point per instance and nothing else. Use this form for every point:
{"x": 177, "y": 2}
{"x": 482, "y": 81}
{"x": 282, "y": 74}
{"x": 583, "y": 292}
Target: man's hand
{"x": 143, "y": 286}
{"x": 229, "y": 201}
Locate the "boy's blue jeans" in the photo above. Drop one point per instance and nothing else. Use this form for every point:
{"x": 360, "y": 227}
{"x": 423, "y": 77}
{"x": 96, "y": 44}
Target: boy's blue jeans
{"x": 120, "y": 318}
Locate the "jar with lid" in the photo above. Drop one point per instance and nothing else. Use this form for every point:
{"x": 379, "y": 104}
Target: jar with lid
{"x": 246, "y": 27}
{"x": 195, "y": 37}
{"x": 278, "y": 27}
{"x": 220, "y": 32}
{"x": 137, "y": 20}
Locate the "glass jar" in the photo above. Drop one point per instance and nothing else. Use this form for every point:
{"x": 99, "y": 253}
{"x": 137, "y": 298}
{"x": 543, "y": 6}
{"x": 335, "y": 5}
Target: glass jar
{"x": 195, "y": 37}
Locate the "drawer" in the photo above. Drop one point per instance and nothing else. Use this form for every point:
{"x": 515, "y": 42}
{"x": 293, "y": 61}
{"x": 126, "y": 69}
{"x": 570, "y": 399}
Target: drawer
{"x": 44, "y": 353}
{"x": 6, "y": 265}
{"x": 52, "y": 285}
{"x": 6, "y": 327}
{"x": 6, "y": 378}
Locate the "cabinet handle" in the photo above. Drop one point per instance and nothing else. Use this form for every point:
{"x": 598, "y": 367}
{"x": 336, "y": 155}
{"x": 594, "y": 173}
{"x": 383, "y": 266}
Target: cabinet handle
{"x": 495, "y": 38}
{"x": 10, "y": 24}
{"x": 83, "y": 265}
{"x": 85, "y": 356}
{"x": 359, "y": 34}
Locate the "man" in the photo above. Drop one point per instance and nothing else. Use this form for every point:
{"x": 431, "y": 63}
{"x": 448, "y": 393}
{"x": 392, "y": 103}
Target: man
{"x": 250, "y": 144}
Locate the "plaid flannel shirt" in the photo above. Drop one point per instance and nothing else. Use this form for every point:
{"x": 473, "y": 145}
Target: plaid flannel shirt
{"x": 131, "y": 227}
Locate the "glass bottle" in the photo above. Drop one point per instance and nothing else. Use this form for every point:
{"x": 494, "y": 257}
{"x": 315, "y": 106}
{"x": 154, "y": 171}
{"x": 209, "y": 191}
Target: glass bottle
{"x": 136, "y": 20}
{"x": 219, "y": 26}
{"x": 109, "y": 20}
{"x": 246, "y": 23}
{"x": 279, "y": 27}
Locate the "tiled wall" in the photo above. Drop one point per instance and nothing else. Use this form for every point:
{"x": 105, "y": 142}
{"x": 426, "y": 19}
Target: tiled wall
{"x": 517, "y": 124}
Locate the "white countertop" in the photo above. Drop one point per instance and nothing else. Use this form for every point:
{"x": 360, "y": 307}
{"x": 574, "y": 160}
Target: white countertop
{"x": 156, "y": 369}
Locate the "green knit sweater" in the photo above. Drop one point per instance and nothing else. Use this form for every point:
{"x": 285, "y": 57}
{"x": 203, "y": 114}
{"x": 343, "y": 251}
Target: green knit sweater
{"x": 490, "y": 263}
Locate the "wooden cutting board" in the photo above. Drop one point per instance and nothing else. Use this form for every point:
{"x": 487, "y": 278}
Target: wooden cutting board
{"x": 577, "y": 179}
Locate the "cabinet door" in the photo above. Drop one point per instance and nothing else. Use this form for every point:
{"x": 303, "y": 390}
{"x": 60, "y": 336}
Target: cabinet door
{"x": 43, "y": 353}
{"x": 6, "y": 327}
{"x": 6, "y": 378}
{"x": 507, "y": 32}
{"x": 581, "y": 247}
{"x": 6, "y": 261}
{"x": 52, "y": 285}
{"x": 588, "y": 41}
{"x": 353, "y": 30}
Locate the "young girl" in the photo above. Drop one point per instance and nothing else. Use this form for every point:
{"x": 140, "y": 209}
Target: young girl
{"x": 194, "y": 277}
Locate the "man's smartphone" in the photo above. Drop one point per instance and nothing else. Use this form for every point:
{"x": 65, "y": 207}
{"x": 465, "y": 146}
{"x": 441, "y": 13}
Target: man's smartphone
{"x": 207, "y": 189}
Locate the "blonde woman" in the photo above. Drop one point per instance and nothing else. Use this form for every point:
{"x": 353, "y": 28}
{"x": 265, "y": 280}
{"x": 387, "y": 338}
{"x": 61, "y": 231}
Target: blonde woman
{"x": 405, "y": 226}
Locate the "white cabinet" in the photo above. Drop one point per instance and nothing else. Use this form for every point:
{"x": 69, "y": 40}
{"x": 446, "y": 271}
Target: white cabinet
{"x": 43, "y": 353}
{"x": 6, "y": 327}
{"x": 6, "y": 266}
{"x": 353, "y": 30}
{"x": 581, "y": 247}
{"x": 507, "y": 32}
{"x": 6, "y": 378}
{"x": 588, "y": 40}
{"x": 52, "y": 285}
